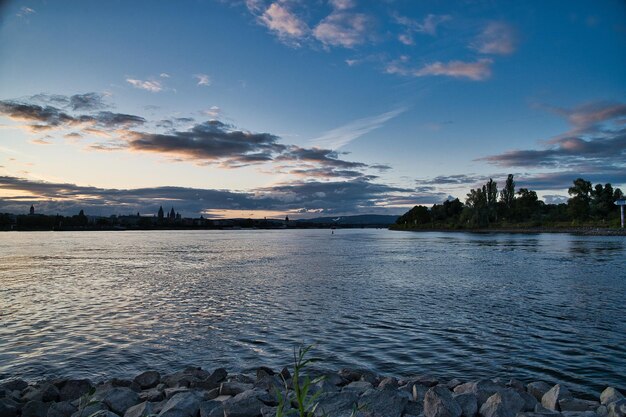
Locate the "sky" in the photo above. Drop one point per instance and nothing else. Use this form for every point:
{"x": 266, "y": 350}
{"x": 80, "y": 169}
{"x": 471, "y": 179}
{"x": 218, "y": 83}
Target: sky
{"x": 304, "y": 108}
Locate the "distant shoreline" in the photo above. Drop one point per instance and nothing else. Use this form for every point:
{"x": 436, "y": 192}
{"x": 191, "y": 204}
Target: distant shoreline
{"x": 581, "y": 231}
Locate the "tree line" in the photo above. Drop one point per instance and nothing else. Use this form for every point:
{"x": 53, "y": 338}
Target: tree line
{"x": 487, "y": 207}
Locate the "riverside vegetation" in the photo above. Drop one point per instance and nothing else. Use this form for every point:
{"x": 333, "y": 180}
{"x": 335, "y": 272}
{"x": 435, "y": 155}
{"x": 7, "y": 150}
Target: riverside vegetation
{"x": 194, "y": 392}
{"x": 485, "y": 208}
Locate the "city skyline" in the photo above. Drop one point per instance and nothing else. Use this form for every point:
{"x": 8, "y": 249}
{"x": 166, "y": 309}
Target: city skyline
{"x": 260, "y": 108}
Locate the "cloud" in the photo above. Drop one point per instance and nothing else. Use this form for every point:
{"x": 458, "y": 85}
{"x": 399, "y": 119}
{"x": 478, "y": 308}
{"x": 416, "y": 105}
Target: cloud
{"x": 343, "y": 135}
{"x": 336, "y": 197}
{"x": 427, "y": 26}
{"x": 475, "y": 71}
{"x": 40, "y": 118}
{"x": 87, "y": 101}
{"x": 342, "y": 4}
{"x": 203, "y": 80}
{"x": 280, "y": 20}
{"x": 344, "y": 29}
{"x": 164, "y": 75}
{"x": 321, "y": 156}
{"x": 597, "y": 139}
{"x": 458, "y": 179}
{"x": 498, "y": 38}
{"x": 213, "y": 112}
{"x": 152, "y": 86}
{"x": 554, "y": 199}
{"x": 25, "y": 11}
{"x": 211, "y": 141}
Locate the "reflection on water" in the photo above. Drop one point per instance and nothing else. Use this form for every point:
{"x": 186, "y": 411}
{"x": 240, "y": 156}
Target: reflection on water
{"x": 454, "y": 305}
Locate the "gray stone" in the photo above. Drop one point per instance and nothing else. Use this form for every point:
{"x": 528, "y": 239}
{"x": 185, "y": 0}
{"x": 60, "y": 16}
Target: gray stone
{"x": 468, "y": 403}
{"x": 184, "y": 404}
{"x": 245, "y": 404}
{"x": 538, "y": 389}
{"x": 388, "y": 382}
{"x": 438, "y": 402}
{"x": 482, "y": 389}
{"x": 170, "y": 392}
{"x": 211, "y": 409}
{"x": 90, "y": 408}
{"x": 358, "y": 386}
{"x": 535, "y": 414}
{"x": 269, "y": 383}
{"x": 120, "y": 399}
{"x": 9, "y": 408}
{"x": 14, "y": 385}
{"x": 515, "y": 384}
{"x": 453, "y": 383}
{"x": 234, "y": 388}
{"x": 382, "y": 403}
{"x": 213, "y": 380}
{"x": 575, "y": 404}
{"x": 152, "y": 395}
{"x": 615, "y": 409}
{"x": 610, "y": 395}
{"x": 550, "y": 399}
{"x": 104, "y": 413}
{"x": 336, "y": 404}
{"x": 506, "y": 403}
{"x": 530, "y": 402}
{"x": 540, "y": 409}
{"x": 148, "y": 379}
{"x": 413, "y": 408}
{"x": 73, "y": 389}
{"x": 587, "y": 413}
{"x": 418, "y": 391}
{"x": 602, "y": 411}
{"x": 45, "y": 392}
{"x": 140, "y": 410}
{"x": 61, "y": 409}
{"x": 35, "y": 408}
{"x": 336, "y": 379}
{"x": 285, "y": 374}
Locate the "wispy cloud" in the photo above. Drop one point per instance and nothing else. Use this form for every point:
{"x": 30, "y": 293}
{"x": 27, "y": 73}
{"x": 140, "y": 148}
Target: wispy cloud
{"x": 25, "y": 11}
{"x": 498, "y": 38}
{"x": 148, "y": 85}
{"x": 341, "y": 136}
{"x": 344, "y": 29}
{"x": 475, "y": 71}
{"x": 282, "y": 21}
{"x": 203, "y": 79}
{"x": 426, "y": 26}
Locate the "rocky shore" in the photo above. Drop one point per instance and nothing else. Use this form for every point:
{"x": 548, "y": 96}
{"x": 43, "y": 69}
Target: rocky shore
{"x": 194, "y": 392}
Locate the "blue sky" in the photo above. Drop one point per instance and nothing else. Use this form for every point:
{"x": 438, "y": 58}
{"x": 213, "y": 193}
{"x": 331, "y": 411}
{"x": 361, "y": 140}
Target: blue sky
{"x": 260, "y": 107}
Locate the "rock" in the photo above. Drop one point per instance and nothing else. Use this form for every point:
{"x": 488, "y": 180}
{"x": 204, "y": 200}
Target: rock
{"x": 382, "y": 403}
{"x": 152, "y": 395}
{"x": 615, "y": 409}
{"x": 468, "y": 403}
{"x": 285, "y": 374}
{"x": 418, "y": 391}
{"x": 336, "y": 379}
{"x": 170, "y": 392}
{"x": 148, "y": 379}
{"x": 263, "y": 371}
{"x": 35, "y": 408}
{"x": 537, "y": 389}
{"x": 9, "y": 408}
{"x": 267, "y": 411}
{"x": 14, "y": 385}
{"x": 211, "y": 409}
{"x": 212, "y": 381}
{"x": 245, "y": 404}
{"x": 438, "y": 402}
{"x": 534, "y": 414}
{"x": 610, "y": 395}
{"x": 602, "y": 411}
{"x": 140, "y": 410}
{"x": 323, "y": 386}
{"x": 186, "y": 378}
{"x": 358, "y": 386}
{"x": 550, "y": 399}
{"x": 530, "y": 402}
{"x": 45, "y": 392}
{"x": 515, "y": 384}
{"x": 270, "y": 383}
{"x": 234, "y": 388}
{"x": 579, "y": 414}
{"x": 413, "y": 408}
{"x": 336, "y": 404}
{"x": 73, "y": 389}
{"x": 453, "y": 383}
{"x": 91, "y": 408}
{"x": 483, "y": 389}
{"x": 120, "y": 399}
{"x": 354, "y": 374}
{"x": 388, "y": 382}
{"x": 575, "y": 404}
{"x": 103, "y": 413}
{"x": 184, "y": 404}
{"x": 61, "y": 409}
{"x": 506, "y": 403}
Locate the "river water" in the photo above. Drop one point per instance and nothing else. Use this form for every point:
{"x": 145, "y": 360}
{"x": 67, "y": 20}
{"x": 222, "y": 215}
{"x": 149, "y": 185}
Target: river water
{"x": 104, "y": 304}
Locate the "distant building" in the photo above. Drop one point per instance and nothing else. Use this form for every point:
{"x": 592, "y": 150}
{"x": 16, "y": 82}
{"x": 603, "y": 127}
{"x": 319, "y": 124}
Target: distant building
{"x": 160, "y": 215}
{"x": 32, "y": 210}
{"x": 172, "y": 214}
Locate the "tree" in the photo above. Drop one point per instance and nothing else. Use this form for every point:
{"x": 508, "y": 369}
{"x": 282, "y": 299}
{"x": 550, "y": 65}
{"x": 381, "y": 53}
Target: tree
{"x": 578, "y": 205}
{"x": 418, "y": 215}
{"x": 527, "y": 205}
{"x": 507, "y": 195}
{"x": 491, "y": 191}
{"x": 478, "y": 215}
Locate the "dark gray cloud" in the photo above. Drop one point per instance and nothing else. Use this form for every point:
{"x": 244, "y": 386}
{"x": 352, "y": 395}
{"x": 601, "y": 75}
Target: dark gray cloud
{"x": 77, "y": 102}
{"x": 458, "y": 179}
{"x": 326, "y": 157}
{"x": 338, "y": 197}
{"x": 210, "y": 141}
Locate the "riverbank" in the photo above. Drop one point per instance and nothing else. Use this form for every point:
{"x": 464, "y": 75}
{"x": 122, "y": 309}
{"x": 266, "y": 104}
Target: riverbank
{"x": 194, "y": 392}
{"x": 581, "y": 231}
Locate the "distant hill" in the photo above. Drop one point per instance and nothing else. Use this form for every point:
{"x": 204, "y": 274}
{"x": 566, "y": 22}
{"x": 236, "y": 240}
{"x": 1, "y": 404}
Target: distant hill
{"x": 358, "y": 220}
